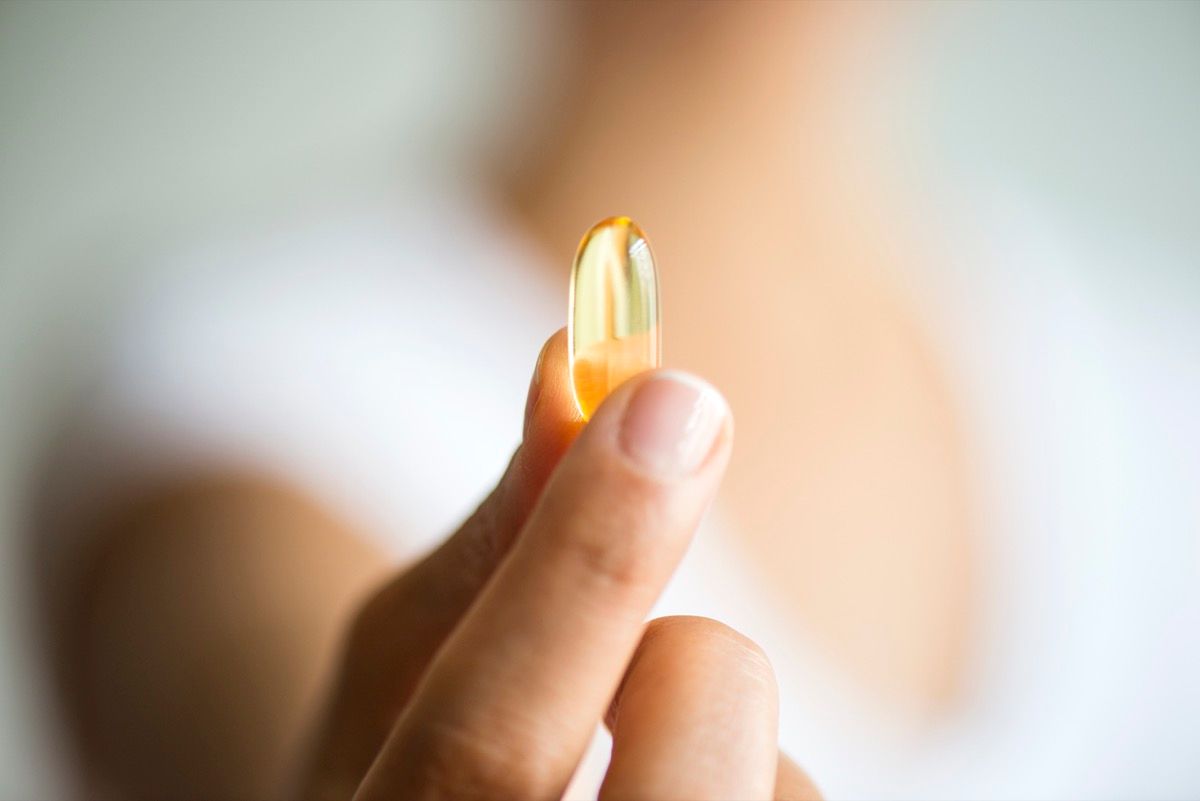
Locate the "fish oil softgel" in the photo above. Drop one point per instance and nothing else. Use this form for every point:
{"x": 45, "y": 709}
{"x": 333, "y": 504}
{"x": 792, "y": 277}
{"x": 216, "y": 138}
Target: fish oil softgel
{"x": 613, "y": 320}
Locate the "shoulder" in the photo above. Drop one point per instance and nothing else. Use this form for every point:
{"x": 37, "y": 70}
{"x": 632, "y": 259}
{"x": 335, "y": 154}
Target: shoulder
{"x": 377, "y": 360}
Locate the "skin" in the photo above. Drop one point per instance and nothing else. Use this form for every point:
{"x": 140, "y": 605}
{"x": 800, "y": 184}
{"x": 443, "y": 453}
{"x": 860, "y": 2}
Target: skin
{"x": 199, "y": 645}
{"x": 479, "y": 672}
{"x": 319, "y": 660}
{"x": 778, "y": 239}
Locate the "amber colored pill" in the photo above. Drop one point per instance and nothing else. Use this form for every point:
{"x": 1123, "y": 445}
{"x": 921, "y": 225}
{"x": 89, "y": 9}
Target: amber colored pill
{"x": 613, "y": 320}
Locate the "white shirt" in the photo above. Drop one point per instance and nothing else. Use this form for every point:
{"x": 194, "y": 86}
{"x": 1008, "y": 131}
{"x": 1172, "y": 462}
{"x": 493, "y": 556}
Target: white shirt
{"x": 380, "y": 362}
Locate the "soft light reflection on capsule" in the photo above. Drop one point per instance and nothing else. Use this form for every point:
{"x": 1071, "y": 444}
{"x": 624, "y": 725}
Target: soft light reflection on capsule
{"x": 612, "y": 324}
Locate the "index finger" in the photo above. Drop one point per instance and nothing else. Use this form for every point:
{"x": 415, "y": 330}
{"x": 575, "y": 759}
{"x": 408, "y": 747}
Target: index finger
{"x": 509, "y": 704}
{"x": 397, "y": 632}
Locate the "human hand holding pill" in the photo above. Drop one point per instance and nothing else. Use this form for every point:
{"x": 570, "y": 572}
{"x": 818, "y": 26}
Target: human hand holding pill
{"x": 482, "y": 671}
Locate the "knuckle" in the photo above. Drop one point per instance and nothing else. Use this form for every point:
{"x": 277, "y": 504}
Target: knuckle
{"x": 693, "y": 628}
{"x": 617, "y": 529}
{"x": 484, "y": 535}
{"x": 702, "y": 633}
{"x": 755, "y": 664}
{"x": 460, "y": 763}
{"x": 617, "y": 562}
{"x": 621, "y": 546}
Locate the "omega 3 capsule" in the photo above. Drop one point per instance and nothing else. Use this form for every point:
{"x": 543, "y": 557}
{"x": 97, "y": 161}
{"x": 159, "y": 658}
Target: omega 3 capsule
{"x": 612, "y": 323}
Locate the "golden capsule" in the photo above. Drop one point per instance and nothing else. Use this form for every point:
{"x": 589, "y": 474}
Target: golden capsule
{"x": 612, "y": 322}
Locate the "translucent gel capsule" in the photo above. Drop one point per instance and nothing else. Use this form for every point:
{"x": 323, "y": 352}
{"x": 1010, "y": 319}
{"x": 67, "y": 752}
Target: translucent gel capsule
{"x": 612, "y": 323}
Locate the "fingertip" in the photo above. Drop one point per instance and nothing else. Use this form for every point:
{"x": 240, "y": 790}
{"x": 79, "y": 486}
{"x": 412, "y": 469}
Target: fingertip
{"x": 667, "y": 422}
{"x": 552, "y": 419}
{"x": 535, "y": 383}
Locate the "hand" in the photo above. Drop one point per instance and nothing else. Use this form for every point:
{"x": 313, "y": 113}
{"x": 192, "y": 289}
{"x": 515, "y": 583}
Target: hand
{"x": 482, "y": 671}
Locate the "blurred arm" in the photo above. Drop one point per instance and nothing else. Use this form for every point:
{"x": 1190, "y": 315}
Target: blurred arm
{"x": 202, "y": 635}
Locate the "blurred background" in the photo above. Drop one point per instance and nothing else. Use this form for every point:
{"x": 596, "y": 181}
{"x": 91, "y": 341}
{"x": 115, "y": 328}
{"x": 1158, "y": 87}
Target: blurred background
{"x": 944, "y": 259}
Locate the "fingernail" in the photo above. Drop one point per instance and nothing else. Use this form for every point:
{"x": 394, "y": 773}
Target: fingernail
{"x": 671, "y": 423}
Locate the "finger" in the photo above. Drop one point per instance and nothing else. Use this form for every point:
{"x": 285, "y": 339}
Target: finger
{"x": 696, "y": 717}
{"x": 510, "y": 703}
{"x": 793, "y": 784}
{"x": 401, "y": 626}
